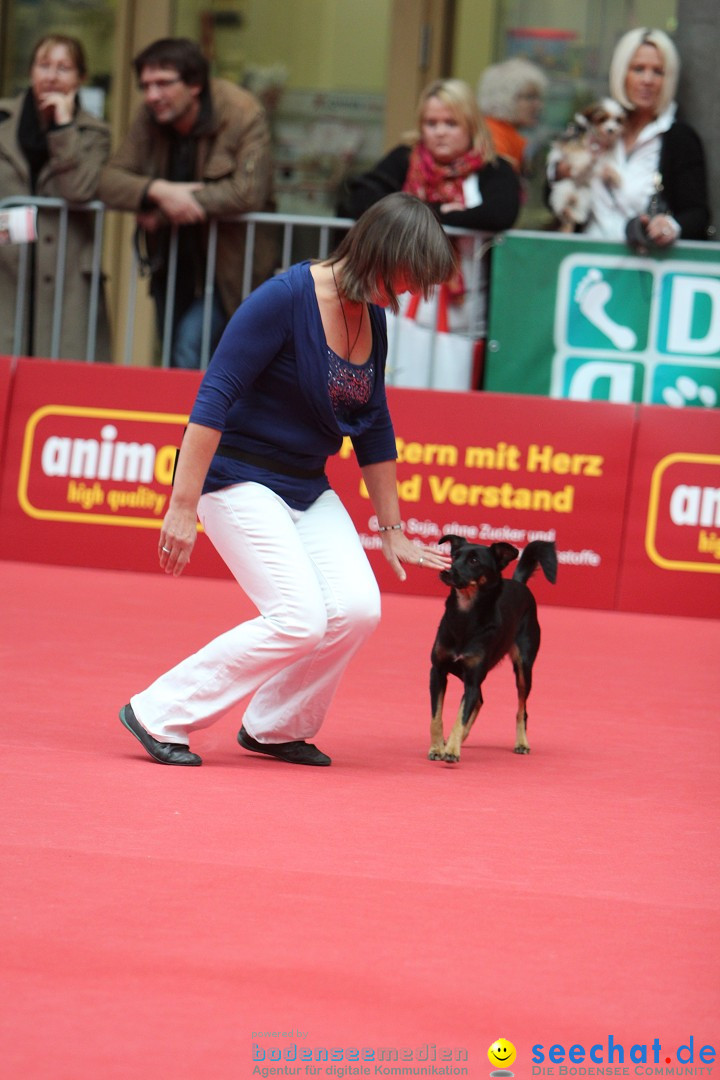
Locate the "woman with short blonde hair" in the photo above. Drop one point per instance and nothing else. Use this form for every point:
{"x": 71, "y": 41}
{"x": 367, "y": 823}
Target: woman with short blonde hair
{"x": 656, "y": 189}
{"x": 626, "y": 49}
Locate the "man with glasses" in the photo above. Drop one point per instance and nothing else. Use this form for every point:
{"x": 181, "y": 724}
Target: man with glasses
{"x": 198, "y": 148}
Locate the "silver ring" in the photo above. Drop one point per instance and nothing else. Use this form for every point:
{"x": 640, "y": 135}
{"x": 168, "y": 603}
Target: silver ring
{"x": 167, "y": 550}
{"x": 421, "y": 561}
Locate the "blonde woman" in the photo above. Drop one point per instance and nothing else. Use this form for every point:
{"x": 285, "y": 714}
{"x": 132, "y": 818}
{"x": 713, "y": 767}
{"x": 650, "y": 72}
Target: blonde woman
{"x": 659, "y": 160}
{"x": 449, "y": 162}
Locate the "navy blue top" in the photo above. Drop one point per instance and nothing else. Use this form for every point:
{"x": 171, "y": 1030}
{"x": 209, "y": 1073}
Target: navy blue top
{"x": 267, "y": 389}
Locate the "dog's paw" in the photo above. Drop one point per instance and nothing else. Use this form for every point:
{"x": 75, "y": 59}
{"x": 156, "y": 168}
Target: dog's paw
{"x": 436, "y": 753}
{"x": 610, "y": 177}
{"x": 453, "y": 759}
{"x": 522, "y": 750}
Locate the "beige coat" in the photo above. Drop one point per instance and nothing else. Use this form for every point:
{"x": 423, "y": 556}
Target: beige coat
{"x": 77, "y": 153}
{"x": 233, "y": 162}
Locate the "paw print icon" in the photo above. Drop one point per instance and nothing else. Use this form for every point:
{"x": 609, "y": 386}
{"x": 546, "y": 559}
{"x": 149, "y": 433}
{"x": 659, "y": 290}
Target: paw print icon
{"x": 686, "y": 391}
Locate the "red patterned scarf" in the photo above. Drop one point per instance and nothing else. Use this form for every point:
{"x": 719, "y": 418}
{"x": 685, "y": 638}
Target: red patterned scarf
{"x": 434, "y": 182}
{"x": 437, "y": 183}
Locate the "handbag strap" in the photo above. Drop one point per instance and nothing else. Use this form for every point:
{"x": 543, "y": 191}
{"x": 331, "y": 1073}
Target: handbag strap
{"x": 441, "y": 311}
{"x": 442, "y": 323}
{"x": 413, "y": 304}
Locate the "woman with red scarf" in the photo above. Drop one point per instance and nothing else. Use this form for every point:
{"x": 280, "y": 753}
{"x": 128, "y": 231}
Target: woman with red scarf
{"x": 449, "y": 163}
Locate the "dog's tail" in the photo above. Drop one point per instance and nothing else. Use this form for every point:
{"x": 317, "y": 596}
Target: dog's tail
{"x": 540, "y": 553}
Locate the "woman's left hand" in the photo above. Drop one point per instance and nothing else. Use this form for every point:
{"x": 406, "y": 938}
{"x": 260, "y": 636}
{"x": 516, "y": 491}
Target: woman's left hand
{"x": 177, "y": 539}
{"x": 397, "y": 549}
{"x": 662, "y": 230}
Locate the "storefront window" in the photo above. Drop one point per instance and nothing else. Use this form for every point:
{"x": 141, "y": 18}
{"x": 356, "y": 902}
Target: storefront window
{"x": 91, "y": 21}
{"x": 320, "y": 70}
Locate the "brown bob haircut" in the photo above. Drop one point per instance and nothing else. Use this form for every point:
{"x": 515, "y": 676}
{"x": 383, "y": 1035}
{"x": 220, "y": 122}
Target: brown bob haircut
{"x": 397, "y": 238}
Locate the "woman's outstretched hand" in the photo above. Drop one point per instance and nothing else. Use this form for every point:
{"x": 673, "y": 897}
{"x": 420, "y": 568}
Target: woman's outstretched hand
{"x": 398, "y": 550}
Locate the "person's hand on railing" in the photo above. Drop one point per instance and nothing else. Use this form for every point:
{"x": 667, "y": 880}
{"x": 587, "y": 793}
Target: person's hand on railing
{"x": 150, "y": 220}
{"x": 177, "y": 201}
{"x": 662, "y": 229}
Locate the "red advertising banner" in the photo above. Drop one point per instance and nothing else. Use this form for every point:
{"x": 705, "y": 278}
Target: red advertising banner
{"x": 6, "y": 369}
{"x": 671, "y": 557}
{"x": 630, "y": 494}
{"x": 88, "y": 464}
{"x": 506, "y": 467}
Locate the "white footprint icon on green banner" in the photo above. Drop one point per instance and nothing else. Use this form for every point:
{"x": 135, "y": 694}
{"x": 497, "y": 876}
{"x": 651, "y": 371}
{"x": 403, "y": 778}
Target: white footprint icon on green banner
{"x": 592, "y": 296}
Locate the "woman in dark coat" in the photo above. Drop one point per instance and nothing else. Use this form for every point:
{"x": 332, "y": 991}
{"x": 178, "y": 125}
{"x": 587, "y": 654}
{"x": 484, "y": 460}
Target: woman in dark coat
{"x": 51, "y": 147}
{"x": 449, "y": 162}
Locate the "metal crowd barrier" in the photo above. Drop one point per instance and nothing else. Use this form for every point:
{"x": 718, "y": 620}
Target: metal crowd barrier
{"x": 63, "y": 209}
{"x": 313, "y": 234}
{"x": 290, "y": 225}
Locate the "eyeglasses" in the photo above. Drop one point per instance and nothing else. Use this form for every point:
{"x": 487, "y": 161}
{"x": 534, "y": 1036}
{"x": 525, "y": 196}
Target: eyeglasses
{"x": 56, "y": 69}
{"x": 159, "y": 84}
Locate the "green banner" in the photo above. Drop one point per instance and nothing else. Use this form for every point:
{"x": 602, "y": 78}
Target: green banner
{"x": 588, "y": 321}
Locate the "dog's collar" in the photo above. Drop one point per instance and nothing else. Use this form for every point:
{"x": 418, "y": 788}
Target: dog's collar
{"x": 466, "y": 595}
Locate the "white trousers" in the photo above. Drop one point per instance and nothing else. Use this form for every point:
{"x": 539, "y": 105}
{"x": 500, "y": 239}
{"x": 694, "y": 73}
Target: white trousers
{"x": 308, "y": 576}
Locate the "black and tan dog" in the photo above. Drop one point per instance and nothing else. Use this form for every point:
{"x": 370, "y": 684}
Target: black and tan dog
{"x": 486, "y": 618}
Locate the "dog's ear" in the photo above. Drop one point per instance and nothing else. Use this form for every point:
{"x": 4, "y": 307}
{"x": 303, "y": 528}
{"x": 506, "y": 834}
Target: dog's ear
{"x": 503, "y": 554}
{"x": 613, "y": 108}
{"x": 453, "y": 540}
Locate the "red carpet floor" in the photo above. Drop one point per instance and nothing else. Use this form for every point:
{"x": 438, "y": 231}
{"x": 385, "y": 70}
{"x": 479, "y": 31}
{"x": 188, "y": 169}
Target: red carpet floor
{"x": 158, "y": 922}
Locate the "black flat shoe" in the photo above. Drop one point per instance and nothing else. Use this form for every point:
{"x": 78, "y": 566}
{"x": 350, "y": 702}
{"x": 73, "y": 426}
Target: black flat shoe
{"x": 298, "y": 752}
{"x": 165, "y": 753}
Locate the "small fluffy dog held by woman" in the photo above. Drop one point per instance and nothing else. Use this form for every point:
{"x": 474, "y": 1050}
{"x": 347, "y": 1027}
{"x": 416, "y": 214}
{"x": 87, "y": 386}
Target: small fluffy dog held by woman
{"x": 660, "y": 160}
{"x": 579, "y": 156}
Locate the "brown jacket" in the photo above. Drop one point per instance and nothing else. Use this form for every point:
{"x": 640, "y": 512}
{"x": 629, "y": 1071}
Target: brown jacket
{"x": 233, "y": 162}
{"x": 77, "y": 153}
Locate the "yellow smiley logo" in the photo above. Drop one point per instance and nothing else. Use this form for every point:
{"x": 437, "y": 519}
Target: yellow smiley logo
{"x": 502, "y": 1054}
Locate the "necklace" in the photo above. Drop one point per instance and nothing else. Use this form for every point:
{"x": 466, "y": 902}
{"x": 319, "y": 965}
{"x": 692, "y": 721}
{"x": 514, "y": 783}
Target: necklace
{"x": 342, "y": 309}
